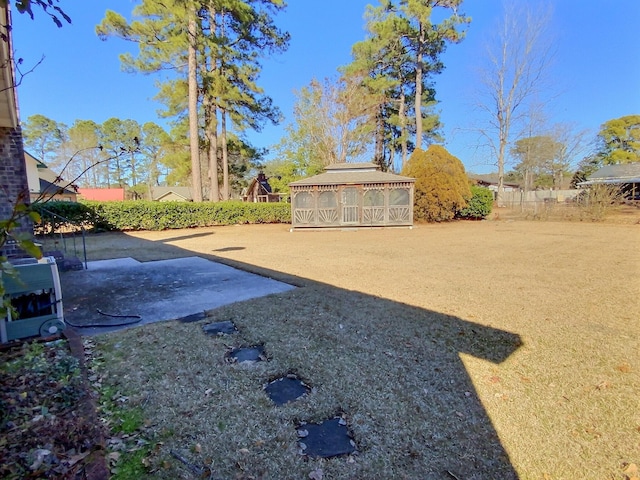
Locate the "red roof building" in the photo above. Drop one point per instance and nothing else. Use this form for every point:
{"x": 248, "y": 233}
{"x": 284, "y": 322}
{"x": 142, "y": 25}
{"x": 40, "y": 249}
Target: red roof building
{"x": 102, "y": 194}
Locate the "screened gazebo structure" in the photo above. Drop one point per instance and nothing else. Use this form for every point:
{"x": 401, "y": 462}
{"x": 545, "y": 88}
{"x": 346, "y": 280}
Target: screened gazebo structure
{"x": 352, "y": 195}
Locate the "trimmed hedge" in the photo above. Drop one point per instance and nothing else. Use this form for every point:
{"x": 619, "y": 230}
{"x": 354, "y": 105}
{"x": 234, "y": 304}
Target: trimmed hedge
{"x": 480, "y": 204}
{"x": 72, "y": 211}
{"x": 146, "y": 215}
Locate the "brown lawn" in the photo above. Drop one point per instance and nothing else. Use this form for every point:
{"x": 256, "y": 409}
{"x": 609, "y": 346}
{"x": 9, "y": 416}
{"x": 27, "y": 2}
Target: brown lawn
{"x": 565, "y": 403}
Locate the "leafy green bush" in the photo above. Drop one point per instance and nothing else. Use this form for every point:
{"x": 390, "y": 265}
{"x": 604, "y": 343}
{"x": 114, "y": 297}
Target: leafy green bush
{"x": 441, "y": 188}
{"x": 146, "y": 215}
{"x": 479, "y": 205}
{"x": 73, "y": 211}
{"x": 55, "y": 214}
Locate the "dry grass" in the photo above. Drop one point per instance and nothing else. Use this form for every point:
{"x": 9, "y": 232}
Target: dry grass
{"x": 610, "y": 211}
{"x": 486, "y": 349}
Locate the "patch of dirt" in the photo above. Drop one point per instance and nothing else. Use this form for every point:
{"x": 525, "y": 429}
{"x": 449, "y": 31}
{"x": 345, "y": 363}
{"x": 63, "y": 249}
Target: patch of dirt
{"x": 48, "y": 423}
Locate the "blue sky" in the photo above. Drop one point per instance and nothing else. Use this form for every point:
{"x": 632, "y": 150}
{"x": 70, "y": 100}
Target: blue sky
{"x": 596, "y": 74}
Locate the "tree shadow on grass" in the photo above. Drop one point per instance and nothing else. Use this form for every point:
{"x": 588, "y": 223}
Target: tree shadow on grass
{"x": 393, "y": 370}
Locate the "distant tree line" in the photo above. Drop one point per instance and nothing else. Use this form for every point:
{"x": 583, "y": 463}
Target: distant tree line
{"x": 209, "y": 54}
{"x": 380, "y": 107}
{"x": 123, "y": 153}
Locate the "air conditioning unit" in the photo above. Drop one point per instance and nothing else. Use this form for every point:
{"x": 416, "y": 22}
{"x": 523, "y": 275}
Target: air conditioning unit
{"x": 36, "y": 297}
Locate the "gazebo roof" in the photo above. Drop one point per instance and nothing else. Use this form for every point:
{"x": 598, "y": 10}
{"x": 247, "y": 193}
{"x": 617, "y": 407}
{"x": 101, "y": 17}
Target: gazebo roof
{"x": 351, "y": 173}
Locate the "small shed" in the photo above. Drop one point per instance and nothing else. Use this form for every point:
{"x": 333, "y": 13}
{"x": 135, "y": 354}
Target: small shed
{"x": 352, "y": 195}
{"x": 259, "y": 190}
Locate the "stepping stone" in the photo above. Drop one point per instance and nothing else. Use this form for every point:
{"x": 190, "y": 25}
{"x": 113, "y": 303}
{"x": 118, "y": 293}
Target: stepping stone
{"x": 246, "y": 354}
{"x": 194, "y": 317}
{"x": 286, "y": 389}
{"x": 220, "y": 328}
{"x": 330, "y": 438}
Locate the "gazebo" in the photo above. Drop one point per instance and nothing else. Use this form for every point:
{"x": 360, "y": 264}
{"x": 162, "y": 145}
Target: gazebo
{"x": 352, "y": 195}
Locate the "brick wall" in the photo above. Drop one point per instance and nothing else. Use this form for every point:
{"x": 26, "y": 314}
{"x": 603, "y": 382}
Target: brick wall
{"x": 13, "y": 184}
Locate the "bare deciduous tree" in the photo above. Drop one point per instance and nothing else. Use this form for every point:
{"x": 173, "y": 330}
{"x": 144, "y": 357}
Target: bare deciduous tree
{"x": 574, "y": 147}
{"x": 334, "y": 121}
{"x": 515, "y": 77}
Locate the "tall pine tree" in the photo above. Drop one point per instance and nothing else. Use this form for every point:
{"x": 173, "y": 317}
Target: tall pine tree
{"x": 400, "y": 56}
{"x": 221, "y": 47}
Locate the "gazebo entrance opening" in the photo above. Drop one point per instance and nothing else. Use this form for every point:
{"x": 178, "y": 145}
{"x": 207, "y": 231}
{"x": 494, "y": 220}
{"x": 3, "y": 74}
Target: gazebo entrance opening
{"x": 350, "y": 206}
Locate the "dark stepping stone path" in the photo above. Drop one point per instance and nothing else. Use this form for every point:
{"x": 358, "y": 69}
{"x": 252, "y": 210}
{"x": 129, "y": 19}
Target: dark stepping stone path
{"x": 246, "y": 354}
{"x": 330, "y": 438}
{"x": 286, "y": 389}
{"x": 192, "y": 318}
{"x": 220, "y": 328}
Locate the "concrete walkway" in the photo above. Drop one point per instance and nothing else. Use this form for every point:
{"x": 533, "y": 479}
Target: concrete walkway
{"x": 124, "y": 290}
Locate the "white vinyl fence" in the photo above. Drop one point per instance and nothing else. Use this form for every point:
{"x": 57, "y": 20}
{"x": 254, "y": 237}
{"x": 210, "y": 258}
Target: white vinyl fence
{"x": 519, "y": 198}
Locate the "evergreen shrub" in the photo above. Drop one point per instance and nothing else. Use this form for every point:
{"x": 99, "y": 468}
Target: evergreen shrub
{"x": 442, "y": 187}
{"x": 55, "y": 214}
{"x": 479, "y": 205}
{"x": 74, "y": 211}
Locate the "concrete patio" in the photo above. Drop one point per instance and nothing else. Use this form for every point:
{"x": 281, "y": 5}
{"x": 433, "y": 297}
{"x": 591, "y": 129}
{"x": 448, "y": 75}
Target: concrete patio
{"x": 125, "y": 291}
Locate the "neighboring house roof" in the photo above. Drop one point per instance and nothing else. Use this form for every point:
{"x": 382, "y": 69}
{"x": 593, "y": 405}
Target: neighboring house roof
{"x": 44, "y": 181}
{"x": 49, "y": 189}
{"x": 102, "y": 194}
{"x": 352, "y": 173}
{"x": 159, "y": 193}
{"x": 490, "y": 179}
{"x": 612, "y": 174}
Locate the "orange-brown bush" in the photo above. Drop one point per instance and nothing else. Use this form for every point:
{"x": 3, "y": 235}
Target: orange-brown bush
{"x": 442, "y": 188}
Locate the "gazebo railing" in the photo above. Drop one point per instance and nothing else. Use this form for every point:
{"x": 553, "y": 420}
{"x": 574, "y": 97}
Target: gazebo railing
{"x": 373, "y": 215}
{"x": 399, "y": 214}
{"x": 327, "y": 216}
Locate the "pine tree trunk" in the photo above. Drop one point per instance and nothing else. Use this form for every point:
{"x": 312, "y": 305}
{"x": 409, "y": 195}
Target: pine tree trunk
{"x": 211, "y": 116}
{"x": 418, "y": 99}
{"x": 225, "y": 156}
{"x": 196, "y": 179}
{"x": 379, "y": 149}
{"x": 402, "y": 114}
{"x": 134, "y": 175}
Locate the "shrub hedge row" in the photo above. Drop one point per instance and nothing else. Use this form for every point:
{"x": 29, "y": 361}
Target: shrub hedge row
{"x": 147, "y": 215}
